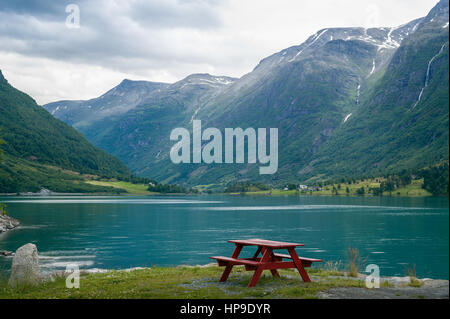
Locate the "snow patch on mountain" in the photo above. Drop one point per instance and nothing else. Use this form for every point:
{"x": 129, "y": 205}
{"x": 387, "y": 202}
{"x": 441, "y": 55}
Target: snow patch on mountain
{"x": 315, "y": 38}
{"x": 55, "y": 110}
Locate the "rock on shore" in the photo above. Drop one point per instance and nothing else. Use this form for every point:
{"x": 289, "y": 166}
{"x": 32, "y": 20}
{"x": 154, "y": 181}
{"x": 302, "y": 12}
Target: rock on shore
{"x": 25, "y": 267}
{"x": 42, "y": 192}
{"x": 7, "y": 223}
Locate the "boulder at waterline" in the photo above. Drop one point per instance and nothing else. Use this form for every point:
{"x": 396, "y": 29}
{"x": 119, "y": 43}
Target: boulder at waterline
{"x": 25, "y": 266}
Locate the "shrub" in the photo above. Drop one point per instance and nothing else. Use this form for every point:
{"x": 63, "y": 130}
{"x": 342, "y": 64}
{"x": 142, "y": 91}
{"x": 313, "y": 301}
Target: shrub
{"x": 2, "y": 209}
{"x": 355, "y": 261}
{"x": 413, "y": 281}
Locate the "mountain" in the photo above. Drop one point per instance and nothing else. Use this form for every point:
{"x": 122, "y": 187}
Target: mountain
{"x": 43, "y": 152}
{"x": 346, "y": 103}
{"x": 141, "y": 134}
{"x": 116, "y": 101}
{"x": 306, "y": 91}
{"x": 402, "y": 121}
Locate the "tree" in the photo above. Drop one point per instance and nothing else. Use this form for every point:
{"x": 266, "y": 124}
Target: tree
{"x": 167, "y": 188}
{"x": 335, "y": 191}
{"x": 388, "y": 186}
{"x": 436, "y": 179}
{"x": 1, "y": 142}
{"x": 405, "y": 177}
{"x": 377, "y": 191}
{"x": 2, "y": 206}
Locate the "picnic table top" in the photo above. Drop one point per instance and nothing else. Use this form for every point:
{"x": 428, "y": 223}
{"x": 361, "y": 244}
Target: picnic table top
{"x": 265, "y": 243}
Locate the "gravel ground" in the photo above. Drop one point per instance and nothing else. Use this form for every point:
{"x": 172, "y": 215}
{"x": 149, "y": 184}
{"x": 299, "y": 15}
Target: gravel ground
{"x": 431, "y": 289}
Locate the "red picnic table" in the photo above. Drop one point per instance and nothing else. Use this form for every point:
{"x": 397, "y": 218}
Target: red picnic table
{"x": 268, "y": 261}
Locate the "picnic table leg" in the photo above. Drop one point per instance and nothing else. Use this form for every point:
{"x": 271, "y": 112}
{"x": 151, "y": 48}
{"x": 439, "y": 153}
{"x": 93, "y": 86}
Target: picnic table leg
{"x": 228, "y": 268}
{"x": 299, "y": 265}
{"x": 257, "y": 252}
{"x": 274, "y": 271}
{"x": 267, "y": 254}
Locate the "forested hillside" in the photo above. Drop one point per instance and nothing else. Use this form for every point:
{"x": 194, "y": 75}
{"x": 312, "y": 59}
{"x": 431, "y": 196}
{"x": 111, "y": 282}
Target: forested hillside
{"x": 40, "y": 151}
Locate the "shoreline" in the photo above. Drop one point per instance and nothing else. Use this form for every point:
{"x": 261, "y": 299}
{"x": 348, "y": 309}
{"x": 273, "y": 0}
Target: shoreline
{"x": 361, "y": 277}
{"x": 202, "y": 282}
{"x": 249, "y": 194}
{"x": 391, "y": 287}
{"x": 257, "y": 194}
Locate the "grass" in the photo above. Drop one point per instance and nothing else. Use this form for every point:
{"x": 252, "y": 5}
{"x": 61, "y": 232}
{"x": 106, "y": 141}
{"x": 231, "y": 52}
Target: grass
{"x": 413, "y": 190}
{"x": 355, "y": 261}
{"x": 386, "y": 284}
{"x": 332, "y": 268}
{"x": 413, "y": 281}
{"x": 184, "y": 282}
{"x": 20, "y": 175}
{"x": 135, "y": 189}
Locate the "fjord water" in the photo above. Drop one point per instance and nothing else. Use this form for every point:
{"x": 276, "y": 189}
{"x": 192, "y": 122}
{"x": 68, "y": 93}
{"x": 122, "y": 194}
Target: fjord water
{"x": 122, "y": 232}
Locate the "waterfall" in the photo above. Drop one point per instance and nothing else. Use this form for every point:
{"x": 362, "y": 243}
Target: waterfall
{"x": 347, "y": 117}
{"x": 427, "y": 77}
{"x": 373, "y": 68}
{"x": 358, "y": 89}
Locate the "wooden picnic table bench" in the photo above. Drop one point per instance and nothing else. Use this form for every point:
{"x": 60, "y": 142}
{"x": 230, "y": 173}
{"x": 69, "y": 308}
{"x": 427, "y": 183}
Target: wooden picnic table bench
{"x": 268, "y": 260}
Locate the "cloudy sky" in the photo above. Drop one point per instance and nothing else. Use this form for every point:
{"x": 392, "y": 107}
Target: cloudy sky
{"x": 45, "y": 54}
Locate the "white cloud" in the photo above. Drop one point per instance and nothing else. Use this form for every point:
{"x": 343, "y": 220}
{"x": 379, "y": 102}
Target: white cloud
{"x": 168, "y": 40}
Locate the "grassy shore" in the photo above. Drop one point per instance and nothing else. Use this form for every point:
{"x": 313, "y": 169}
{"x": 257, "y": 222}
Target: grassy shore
{"x": 201, "y": 282}
{"x": 184, "y": 282}
{"x": 131, "y": 189}
{"x": 412, "y": 190}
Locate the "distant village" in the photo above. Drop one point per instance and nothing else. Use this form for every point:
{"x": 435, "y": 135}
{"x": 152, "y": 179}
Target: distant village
{"x": 304, "y": 188}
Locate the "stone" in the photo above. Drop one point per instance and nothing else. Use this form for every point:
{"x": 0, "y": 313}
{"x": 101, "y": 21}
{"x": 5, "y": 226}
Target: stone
{"x": 7, "y": 223}
{"x": 25, "y": 267}
{"x": 5, "y": 253}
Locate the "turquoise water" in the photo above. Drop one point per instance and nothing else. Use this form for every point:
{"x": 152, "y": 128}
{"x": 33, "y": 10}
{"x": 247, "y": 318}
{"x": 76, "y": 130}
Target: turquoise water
{"x": 124, "y": 232}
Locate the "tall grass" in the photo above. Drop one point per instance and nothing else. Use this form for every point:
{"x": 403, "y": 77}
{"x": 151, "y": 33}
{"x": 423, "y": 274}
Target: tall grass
{"x": 333, "y": 267}
{"x": 355, "y": 261}
{"x": 413, "y": 281}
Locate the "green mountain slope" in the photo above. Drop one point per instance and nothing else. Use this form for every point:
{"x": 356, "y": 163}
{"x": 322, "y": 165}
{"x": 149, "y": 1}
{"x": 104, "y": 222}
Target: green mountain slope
{"x": 39, "y": 147}
{"x": 393, "y": 129}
